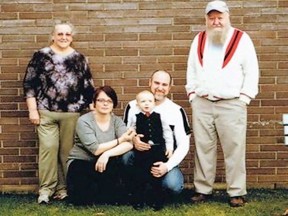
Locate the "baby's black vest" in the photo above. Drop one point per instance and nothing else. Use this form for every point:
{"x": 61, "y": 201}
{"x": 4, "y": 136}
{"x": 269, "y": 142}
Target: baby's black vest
{"x": 150, "y": 127}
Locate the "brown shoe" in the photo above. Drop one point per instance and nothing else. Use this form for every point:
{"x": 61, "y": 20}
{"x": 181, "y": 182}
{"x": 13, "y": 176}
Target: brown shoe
{"x": 198, "y": 198}
{"x": 237, "y": 201}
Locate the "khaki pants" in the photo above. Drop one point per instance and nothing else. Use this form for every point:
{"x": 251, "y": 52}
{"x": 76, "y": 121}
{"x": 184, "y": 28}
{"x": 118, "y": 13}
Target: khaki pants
{"x": 226, "y": 120}
{"x": 56, "y": 138}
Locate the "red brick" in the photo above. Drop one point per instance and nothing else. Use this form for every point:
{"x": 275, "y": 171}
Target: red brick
{"x": 19, "y": 159}
{"x": 29, "y": 151}
{"x": 275, "y": 148}
{"x": 29, "y": 166}
{"x": 22, "y": 143}
{"x": 282, "y": 171}
{"x": 32, "y": 182}
{"x": 260, "y": 155}
{"x": 272, "y": 178}
{"x": 15, "y": 174}
{"x": 31, "y": 15}
{"x": 8, "y": 16}
{"x": 273, "y": 163}
{"x": 9, "y": 166}
{"x": 122, "y": 52}
{"x": 257, "y": 171}
{"x": 121, "y": 37}
{"x": 9, "y": 151}
{"x": 17, "y": 7}
{"x": 155, "y": 37}
{"x": 9, "y": 181}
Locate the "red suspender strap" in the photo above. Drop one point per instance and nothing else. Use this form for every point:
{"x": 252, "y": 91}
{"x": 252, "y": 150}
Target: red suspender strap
{"x": 232, "y": 46}
{"x": 230, "y": 50}
{"x": 201, "y": 45}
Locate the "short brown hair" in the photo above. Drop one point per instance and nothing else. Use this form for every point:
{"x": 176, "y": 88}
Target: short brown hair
{"x": 107, "y": 90}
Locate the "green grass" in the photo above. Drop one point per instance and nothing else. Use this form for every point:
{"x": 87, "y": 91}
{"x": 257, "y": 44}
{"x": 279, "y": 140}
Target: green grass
{"x": 261, "y": 202}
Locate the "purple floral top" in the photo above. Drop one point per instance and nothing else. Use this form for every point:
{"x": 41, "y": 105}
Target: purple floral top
{"x": 59, "y": 83}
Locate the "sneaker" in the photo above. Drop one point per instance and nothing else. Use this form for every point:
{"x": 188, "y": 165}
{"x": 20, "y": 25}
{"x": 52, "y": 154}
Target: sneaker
{"x": 237, "y": 201}
{"x": 199, "y": 198}
{"x": 43, "y": 199}
{"x": 60, "y": 196}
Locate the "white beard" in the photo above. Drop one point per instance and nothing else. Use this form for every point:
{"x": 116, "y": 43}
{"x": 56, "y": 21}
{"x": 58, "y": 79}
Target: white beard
{"x": 217, "y": 36}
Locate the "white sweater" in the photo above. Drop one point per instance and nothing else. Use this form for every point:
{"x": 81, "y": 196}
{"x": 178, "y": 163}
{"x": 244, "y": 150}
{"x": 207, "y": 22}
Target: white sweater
{"x": 238, "y": 79}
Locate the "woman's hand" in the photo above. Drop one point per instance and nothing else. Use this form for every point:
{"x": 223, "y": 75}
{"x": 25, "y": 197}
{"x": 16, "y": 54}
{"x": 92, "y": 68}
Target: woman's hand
{"x": 127, "y": 136}
{"x": 101, "y": 163}
{"x": 34, "y": 117}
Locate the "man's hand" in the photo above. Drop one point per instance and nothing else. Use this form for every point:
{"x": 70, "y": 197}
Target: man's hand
{"x": 159, "y": 169}
{"x": 139, "y": 145}
{"x": 169, "y": 153}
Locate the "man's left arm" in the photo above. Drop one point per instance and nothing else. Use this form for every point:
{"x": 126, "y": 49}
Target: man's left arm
{"x": 183, "y": 144}
{"x": 160, "y": 168}
{"x": 181, "y": 133}
{"x": 250, "y": 70}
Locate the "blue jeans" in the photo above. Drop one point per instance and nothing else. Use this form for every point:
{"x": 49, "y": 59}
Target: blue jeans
{"x": 173, "y": 181}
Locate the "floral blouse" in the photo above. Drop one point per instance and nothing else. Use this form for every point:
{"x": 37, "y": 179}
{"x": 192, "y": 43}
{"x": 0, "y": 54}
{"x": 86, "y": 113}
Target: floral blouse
{"x": 59, "y": 83}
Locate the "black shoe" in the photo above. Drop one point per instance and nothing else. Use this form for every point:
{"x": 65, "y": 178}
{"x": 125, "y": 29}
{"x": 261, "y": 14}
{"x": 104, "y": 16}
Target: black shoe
{"x": 237, "y": 201}
{"x": 200, "y": 198}
{"x": 138, "y": 206}
{"x": 157, "y": 206}
{"x": 156, "y": 203}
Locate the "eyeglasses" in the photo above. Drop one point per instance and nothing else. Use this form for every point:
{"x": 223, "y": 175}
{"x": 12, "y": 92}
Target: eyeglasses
{"x": 61, "y": 34}
{"x": 101, "y": 100}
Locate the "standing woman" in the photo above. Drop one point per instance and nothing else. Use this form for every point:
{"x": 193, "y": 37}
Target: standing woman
{"x": 58, "y": 85}
{"x": 101, "y": 136}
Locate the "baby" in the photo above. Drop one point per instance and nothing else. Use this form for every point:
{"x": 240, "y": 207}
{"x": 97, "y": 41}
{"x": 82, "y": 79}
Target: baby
{"x": 158, "y": 134}
{"x": 155, "y": 130}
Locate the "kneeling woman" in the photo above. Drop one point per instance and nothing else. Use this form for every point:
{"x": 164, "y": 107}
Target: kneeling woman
{"x": 101, "y": 136}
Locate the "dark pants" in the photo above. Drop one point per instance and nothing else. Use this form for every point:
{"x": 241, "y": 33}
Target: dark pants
{"x": 87, "y": 186}
{"x": 142, "y": 177}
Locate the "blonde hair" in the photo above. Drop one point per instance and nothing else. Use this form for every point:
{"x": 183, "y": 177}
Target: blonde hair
{"x": 143, "y": 92}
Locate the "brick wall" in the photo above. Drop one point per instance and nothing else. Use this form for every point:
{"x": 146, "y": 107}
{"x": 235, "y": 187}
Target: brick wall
{"x": 125, "y": 40}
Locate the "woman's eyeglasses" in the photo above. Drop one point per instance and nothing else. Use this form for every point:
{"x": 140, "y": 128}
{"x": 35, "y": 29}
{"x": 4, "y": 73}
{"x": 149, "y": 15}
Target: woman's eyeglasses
{"x": 101, "y": 100}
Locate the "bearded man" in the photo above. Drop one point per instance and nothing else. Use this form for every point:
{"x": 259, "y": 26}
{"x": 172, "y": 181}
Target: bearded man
{"x": 222, "y": 78}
